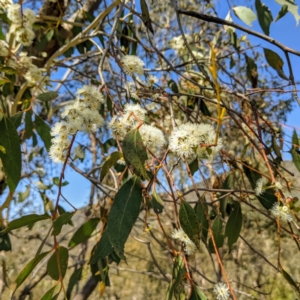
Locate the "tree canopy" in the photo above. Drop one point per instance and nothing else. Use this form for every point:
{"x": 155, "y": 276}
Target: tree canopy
{"x": 176, "y": 117}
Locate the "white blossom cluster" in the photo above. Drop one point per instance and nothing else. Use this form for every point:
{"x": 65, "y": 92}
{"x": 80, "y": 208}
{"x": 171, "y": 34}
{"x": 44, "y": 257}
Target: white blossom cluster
{"x": 282, "y": 211}
{"x": 81, "y": 115}
{"x": 22, "y": 21}
{"x": 259, "y": 188}
{"x": 194, "y": 140}
{"x": 221, "y": 291}
{"x": 152, "y": 137}
{"x": 177, "y": 43}
{"x": 189, "y": 246}
{"x": 132, "y": 65}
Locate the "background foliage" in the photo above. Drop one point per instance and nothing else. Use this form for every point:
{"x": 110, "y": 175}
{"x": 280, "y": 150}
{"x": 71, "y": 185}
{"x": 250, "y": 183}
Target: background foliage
{"x": 234, "y": 197}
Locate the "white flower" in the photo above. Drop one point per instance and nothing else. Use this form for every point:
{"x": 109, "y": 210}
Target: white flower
{"x": 152, "y": 79}
{"x": 29, "y": 16}
{"x": 135, "y": 109}
{"x": 221, "y": 291}
{"x": 189, "y": 139}
{"x": 24, "y": 35}
{"x": 14, "y": 13}
{"x": 152, "y": 137}
{"x": 132, "y": 64}
{"x": 179, "y": 234}
{"x": 79, "y": 152}
{"x": 278, "y": 185}
{"x": 177, "y": 43}
{"x": 189, "y": 246}
{"x": 34, "y": 75}
{"x": 135, "y": 96}
{"x": 281, "y": 211}
{"x": 259, "y": 186}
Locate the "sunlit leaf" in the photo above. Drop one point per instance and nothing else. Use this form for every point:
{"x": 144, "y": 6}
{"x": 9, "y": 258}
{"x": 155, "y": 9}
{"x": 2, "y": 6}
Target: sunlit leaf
{"x": 275, "y": 61}
{"x": 84, "y": 232}
{"x": 245, "y": 14}
{"x": 25, "y": 221}
{"x": 291, "y": 7}
{"x": 48, "y": 96}
{"x": 135, "y": 152}
{"x": 60, "y": 221}
{"x": 29, "y": 268}
{"x": 111, "y": 160}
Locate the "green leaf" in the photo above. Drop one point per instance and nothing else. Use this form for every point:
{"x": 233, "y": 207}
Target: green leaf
{"x": 102, "y": 248}
{"x": 48, "y": 295}
{"x": 28, "y": 124}
{"x": 267, "y": 198}
{"x": 245, "y": 14}
{"x": 264, "y": 15}
{"x": 5, "y": 243}
{"x": 275, "y": 61}
{"x": 283, "y": 11}
{"x": 123, "y": 214}
{"x": 204, "y": 109}
{"x": 194, "y": 166}
{"x": 16, "y": 119}
{"x": 43, "y": 131}
{"x": 291, "y": 7}
{"x": 74, "y": 279}
{"x": 25, "y": 221}
{"x": 295, "y": 140}
{"x": 11, "y": 159}
{"x": 60, "y": 221}
{"x": 218, "y": 236}
{"x": 251, "y": 71}
{"x": 4, "y": 80}
{"x": 234, "y": 225}
{"x": 113, "y": 158}
{"x": 197, "y": 294}
{"x": 29, "y": 268}
{"x": 8, "y": 70}
{"x": 189, "y": 222}
{"x": 135, "y": 152}
{"x": 146, "y": 15}
{"x": 173, "y": 86}
{"x": 62, "y": 262}
{"x": 56, "y": 181}
{"x": 176, "y": 287}
{"x": 100, "y": 271}
{"x": 157, "y": 203}
{"x": 2, "y": 36}
{"x": 48, "y": 96}
{"x": 202, "y": 221}
{"x": 290, "y": 280}
{"x": 24, "y": 195}
{"x": 296, "y": 158}
{"x": 84, "y": 232}
{"x": 228, "y": 184}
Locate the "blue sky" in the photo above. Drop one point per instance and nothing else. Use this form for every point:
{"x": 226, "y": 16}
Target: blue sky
{"x": 284, "y": 30}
